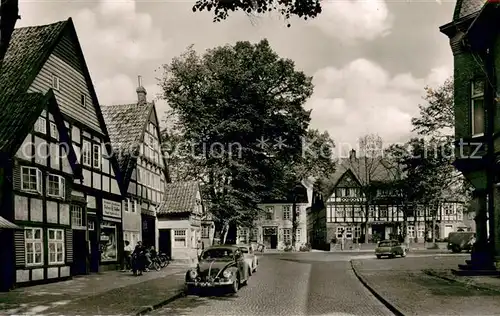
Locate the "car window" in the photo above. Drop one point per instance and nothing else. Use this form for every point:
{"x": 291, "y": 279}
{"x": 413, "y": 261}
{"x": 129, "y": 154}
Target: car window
{"x": 385, "y": 244}
{"x": 217, "y": 254}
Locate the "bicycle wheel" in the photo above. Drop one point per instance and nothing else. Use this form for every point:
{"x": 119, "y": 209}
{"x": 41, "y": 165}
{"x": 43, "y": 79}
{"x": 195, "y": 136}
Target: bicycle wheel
{"x": 156, "y": 265}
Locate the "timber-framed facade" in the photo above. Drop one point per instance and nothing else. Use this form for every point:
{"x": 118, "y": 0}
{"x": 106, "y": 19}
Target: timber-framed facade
{"x": 49, "y": 58}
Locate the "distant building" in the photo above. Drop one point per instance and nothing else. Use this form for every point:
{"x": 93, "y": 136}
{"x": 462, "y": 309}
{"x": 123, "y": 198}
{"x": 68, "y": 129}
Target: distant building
{"x": 274, "y": 228}
{"x": 342, "y": 212}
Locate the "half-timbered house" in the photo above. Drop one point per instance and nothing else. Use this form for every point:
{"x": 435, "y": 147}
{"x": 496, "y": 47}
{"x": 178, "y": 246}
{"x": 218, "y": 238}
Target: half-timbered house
{"x": 349, "y": 212}
{"x": 39, "y": 166}
{"x": 50, "y": 57}
{"x": 135, "y": 136}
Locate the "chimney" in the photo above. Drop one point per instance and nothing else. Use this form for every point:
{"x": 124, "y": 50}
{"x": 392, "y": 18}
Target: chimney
{"x": 352, "y": 154}
{"x": 141, "y": 92}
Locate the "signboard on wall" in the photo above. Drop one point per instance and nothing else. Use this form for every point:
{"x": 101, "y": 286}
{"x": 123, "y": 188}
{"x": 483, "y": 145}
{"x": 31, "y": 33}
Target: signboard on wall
{"x": 111, "y": 208}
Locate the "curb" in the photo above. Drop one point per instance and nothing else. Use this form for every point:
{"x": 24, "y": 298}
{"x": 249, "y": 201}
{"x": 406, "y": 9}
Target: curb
{"x": 149, "y": 309}
{"x": 479, "y": 287}
{"x": 386, "y": 303}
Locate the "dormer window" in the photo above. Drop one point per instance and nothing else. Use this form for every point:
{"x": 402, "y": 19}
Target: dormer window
{"x": 55, "y": 82}
{"x": 477, "y": 108}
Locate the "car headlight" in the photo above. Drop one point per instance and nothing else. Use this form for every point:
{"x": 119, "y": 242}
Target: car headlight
{"x": 193, "y": 274}
{"x": 227, "y": 274}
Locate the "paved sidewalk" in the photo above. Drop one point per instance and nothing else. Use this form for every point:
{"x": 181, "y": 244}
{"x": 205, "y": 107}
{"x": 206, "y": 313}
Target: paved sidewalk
{"x": 112, "y": 292}
{"x": 407, "y": 286}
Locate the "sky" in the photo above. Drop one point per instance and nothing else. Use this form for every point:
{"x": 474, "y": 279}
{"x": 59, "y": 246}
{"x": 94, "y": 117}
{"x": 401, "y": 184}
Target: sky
{"x": 370, "y": 59}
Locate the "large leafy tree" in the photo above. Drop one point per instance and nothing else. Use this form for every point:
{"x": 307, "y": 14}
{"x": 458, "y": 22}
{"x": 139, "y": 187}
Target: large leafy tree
{"x": 287, "y": 8}
{"x": 239, "y": 111}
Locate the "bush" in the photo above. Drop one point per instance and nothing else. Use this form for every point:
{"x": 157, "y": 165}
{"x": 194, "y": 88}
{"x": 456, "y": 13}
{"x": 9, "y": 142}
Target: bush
{"x": 305, "y": 248}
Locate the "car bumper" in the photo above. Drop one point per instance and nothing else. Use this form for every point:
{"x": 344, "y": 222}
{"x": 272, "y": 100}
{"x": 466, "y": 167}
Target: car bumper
{"x": 209, "y": 283}
{"x": 385, "y": 253}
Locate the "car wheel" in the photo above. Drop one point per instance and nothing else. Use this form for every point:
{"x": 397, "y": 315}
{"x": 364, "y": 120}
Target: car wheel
{"x": 456, "y": 249}
{"x": 392, "y": 256}
{"x": 379, "y": 256}
{"x": 236, "y": 285}
{"x": 403, "y": 254}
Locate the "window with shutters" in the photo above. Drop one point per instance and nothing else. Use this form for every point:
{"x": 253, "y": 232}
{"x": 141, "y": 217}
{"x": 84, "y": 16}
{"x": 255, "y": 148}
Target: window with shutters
{"x": 33, "y": 241}
{"x": 55, "y": 186}
{"x": 56, "y": 246}
{"x": 31, "y": 179}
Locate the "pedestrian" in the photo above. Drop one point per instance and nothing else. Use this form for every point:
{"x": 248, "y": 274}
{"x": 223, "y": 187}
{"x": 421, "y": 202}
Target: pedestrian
{"x": 138, "y": 259}
{"x": 127, "y": 252}
{"x": 342, "y": 239}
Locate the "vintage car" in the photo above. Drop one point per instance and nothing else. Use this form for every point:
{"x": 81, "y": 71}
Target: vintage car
{"x": 390, "y": 248}
{"x": 250, "y": 257}
{"x": 459, "y": 241}
{"x": 219, "y": 266}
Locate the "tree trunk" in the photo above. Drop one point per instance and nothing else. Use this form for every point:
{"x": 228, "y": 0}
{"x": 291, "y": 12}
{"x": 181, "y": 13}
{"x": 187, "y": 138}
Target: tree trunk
{"x": 433, "y": 229}
{"x": 294, "y": 222}
{"x": 225, "y": 230}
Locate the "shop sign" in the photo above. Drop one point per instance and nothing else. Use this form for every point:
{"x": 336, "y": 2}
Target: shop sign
{"x": 111, "y": 208}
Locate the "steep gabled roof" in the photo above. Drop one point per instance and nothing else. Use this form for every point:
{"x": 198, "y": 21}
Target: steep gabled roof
{"x": 126, "y": 125}
{"x": 466, "y": 8}
{"x": 19, "y": 116}
{"x": 180, "y": 197}
{"x": 29, "y": 50}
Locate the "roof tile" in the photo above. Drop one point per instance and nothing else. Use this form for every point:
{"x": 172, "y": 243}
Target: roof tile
{"x": 125, "y": 124}
{"x": 180, "y": 197}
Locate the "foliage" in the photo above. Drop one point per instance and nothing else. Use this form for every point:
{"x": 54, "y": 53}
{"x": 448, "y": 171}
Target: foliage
{"x": 225, "y": 103}
{"x": 437, "y": 114}
{"x": 287, "y": 8}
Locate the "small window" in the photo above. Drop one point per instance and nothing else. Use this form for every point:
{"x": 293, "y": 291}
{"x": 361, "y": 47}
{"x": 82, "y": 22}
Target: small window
{"x": 126, "y": 205}
{"x": 55, "y": 82}
{"x": 90, "y": 225}
{"x": 286, "y": 212}
{"x": 269, "y": 212}
{"x": 41, "y": 125}
{"x": 477, "y": 108}
{"x": 31, "y": 179}
{"x": 56, "y": 246}
{"x": 55, "y": 186}
{"x": 83, "y": 100}
{"x": 33, "y": 243}
{"x": 180, "y": 238}
{"x": 97, "y": 156}
{"x": 86, "y": 154}
{"x": 54, "y": 133}
{"x": 77, "y": 216}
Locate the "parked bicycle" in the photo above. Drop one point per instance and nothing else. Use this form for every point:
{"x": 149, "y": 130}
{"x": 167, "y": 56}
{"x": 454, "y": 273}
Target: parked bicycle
{"x": 163, "y": 259}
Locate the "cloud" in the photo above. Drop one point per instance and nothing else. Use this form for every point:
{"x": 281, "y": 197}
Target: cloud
{"x": 362, "y": 98}
{"x": 352, "y": 21}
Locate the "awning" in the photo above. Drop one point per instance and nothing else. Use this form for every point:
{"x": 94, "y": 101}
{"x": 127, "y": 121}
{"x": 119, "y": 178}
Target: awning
{"x": 5, "y": 224}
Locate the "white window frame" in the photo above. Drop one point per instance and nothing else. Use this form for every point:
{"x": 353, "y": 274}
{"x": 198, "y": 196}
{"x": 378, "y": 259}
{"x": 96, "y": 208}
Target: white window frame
{"x": 126, "y": 205}
{"x": 41, "y": 125}
{"x": 474, "y": 97}
{"x": 96, "y": 156}
{"x": 56, "y": 83}
{"x": 61, "y": 186}
{"x": 56, "y": 241}
{"x": 298, "y": 234}
{"x": 411, "y": 231}
{"x": 357, "y": 232}
{"x": 86, "y": 153}
{"x": 77, "y": 216}
{"x": 339, "y": 231}
{"x": 205, "y": 231}
{"x": 38, "y": 179}
{"x": 287, "y": 235}
{"x": 348, "y": 232}
{"x": 134, "y": 210}
{"x": 90, "y": 225}
{"x": 421, "y": 232}
{"x": 54, "y": 133}
{"x": 179, "y": 236}
{"x": 269, "y": 213}
{"x": 34, "y": 241}
{"x": 287, "y": 212}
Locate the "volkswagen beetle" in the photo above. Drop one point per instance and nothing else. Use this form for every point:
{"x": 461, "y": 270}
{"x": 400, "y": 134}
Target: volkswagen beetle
{"x": 390, "y": 248}
{"x": 219, "y": 266}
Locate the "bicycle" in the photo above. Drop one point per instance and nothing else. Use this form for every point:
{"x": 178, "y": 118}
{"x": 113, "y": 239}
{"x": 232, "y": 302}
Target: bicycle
{"x": 163, "y": 259}
{"x": 155, "y": 264}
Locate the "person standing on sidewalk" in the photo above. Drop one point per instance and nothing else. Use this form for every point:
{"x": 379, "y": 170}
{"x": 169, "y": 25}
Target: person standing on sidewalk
{"x": 127, "y": 252}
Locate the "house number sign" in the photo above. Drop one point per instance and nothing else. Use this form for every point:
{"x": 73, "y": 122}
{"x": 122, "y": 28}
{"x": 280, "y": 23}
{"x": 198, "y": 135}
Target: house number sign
{"x": 111, "y": 208}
